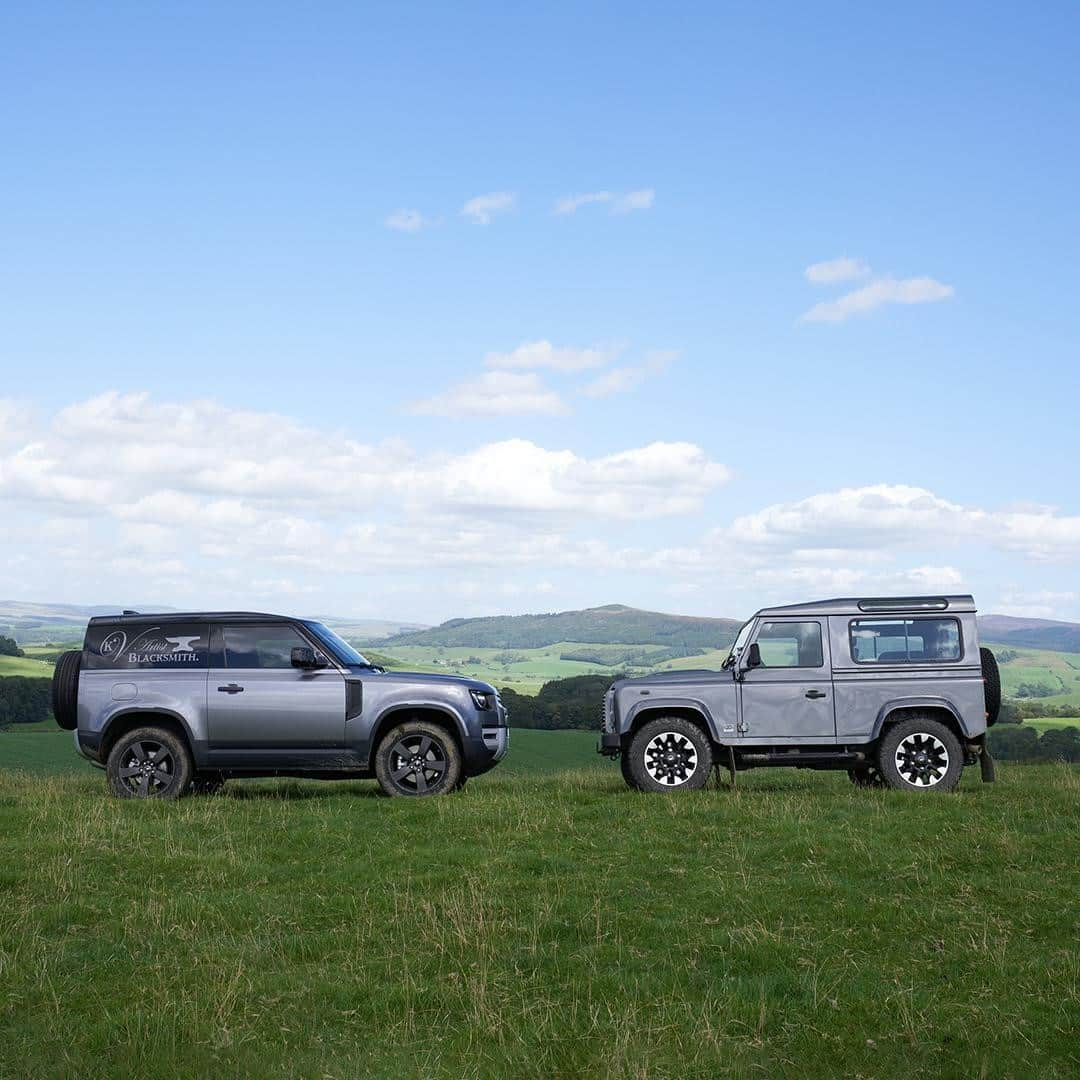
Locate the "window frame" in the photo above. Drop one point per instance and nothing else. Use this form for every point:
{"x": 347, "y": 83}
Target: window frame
{"x": 906, "y": 619}
{"x": 766, "y": 621}
{"x": 219, "y": 652}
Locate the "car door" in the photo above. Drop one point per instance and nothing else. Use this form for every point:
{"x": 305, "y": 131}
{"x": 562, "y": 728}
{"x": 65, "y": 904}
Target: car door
{"x": 789, "y": 697}
{"x": 259, "y": 703}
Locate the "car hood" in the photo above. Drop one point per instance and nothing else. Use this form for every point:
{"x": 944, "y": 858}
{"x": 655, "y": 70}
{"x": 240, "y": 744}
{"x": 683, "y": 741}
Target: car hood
{"x": 425, "y": 678}
{"x": 667, "y": 678}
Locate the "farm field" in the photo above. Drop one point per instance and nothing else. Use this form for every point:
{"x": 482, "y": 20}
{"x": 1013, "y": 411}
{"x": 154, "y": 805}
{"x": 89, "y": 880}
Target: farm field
{"x": 1057, "y": 671}
{"x": 25, "y": 665}
{"x": 540, "y": 923}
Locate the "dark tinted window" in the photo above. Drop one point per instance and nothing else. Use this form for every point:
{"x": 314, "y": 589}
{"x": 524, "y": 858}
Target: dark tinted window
{"x": 790, "y": 644}
{"x": 260, "y": 646}
{"x": 904, "y": 641}
{"x": 147, "y": 646}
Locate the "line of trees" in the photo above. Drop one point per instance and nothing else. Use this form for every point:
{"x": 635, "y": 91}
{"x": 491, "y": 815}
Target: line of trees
{"x": 10, "y": 647}
{"x": 563, "y": 704}
{"x": 24, "y": 700}
{"x": 1019, "y": 743}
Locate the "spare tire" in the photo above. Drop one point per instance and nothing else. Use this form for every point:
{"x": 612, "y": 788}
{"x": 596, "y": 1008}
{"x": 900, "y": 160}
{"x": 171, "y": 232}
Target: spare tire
{"x": 65, "y": 689}
{"x": 991, "y": 684}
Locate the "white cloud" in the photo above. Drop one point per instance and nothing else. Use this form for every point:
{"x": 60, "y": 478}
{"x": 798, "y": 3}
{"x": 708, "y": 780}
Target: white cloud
{"x": 406, "y": 221}
{"x": 483, "y": 209}
{"x": 232, "y": 473}
{"x": 890, "y": 516}
{"x": 501, "y": 393}
{"x": 629, "y": 376}
{"x": 633, "y": 200}
{"x": 542, "y": 354}
{"x": 570, "y": 204}
{"x": 619, "y": 203}
{"x": 921, "y": 290}
{"x": 835, "y": 270}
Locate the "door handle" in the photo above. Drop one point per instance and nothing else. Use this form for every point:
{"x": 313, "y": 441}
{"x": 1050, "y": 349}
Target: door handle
{"x": 815, "y": 693}
{"x": 232, "y": 688}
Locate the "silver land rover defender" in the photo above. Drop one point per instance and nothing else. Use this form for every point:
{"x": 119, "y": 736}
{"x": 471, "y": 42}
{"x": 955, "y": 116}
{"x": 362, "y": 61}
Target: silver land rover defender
{"x": 168, "y": 704}
{"x": 895, "y": 691}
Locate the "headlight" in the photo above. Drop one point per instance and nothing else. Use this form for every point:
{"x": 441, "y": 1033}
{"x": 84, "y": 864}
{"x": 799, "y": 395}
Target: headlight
{"x": 482, "y": 699}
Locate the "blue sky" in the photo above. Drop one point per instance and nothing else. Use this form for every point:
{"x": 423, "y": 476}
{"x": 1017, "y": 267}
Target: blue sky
{"x": 234, "y": 377}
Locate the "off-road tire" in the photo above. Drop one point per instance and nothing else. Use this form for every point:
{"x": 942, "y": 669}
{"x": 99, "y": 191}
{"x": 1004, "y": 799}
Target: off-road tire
{"x": 991, "y": 685}
{"x": 627, "y": 774}
{"x": 670, "y": 754}
{"x": 65, "y": 689}
{"x": 866, "y": 776}
{"x": 407, "y": 765}
{"x": 129, "y": 778}
{"x": 920, "y": 734}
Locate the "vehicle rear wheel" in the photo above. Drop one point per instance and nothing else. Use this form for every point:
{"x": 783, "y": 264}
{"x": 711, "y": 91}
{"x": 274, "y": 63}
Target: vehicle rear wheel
{"x": 418, "y": 758}
{"x": 991, "y": 685}
{"x": 149, "y": 763}
{"x": 669, "y": 754}
{"x": 866, "y": 776}
{"x": 920, "y": 754}
{"x": 65, "y": 689}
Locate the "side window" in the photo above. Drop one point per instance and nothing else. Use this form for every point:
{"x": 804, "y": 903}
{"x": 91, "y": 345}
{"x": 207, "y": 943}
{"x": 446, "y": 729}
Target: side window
{"x": 260, "y": 646}
{"x": 147, "y": 646}
{"x": 904, "y": 641}
{"x": 790, "y": 644}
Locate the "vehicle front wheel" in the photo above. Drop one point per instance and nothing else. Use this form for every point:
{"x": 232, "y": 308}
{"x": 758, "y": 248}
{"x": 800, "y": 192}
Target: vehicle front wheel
{"x": 669, "y": 754}
{"x": 418, "y": 758}
{"x": 149, "y": 763}
{"x": 920, "y": 754}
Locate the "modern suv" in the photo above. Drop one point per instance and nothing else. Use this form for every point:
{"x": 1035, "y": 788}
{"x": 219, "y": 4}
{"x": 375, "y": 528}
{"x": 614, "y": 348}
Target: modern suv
{"x": 167, "y": 704}
{"x": 895, "y": 691}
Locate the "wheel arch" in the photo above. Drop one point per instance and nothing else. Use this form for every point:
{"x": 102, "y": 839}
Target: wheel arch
{"x": 432, "y": 713}
{"x": 120, "y": 723}
{"x": 940, "y": 709}
{"x": 694, "y": 711}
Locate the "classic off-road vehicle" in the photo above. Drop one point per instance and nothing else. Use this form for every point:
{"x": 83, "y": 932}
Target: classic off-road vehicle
{"x": 896, "y": 691}
{"x": 167, "y": 704}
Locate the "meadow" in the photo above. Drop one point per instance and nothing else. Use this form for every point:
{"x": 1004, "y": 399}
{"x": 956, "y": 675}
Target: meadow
{"x": 544, "y": 922}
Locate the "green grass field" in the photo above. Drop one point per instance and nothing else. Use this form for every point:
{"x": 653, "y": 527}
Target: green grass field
{"x": 544, "y": 922}
{"x": 25, "y": 665}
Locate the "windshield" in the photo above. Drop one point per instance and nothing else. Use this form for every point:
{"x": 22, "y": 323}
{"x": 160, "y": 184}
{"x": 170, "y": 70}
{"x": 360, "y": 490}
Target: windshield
{"x": 739, "y": 643}
{"x": 342, "y": 650}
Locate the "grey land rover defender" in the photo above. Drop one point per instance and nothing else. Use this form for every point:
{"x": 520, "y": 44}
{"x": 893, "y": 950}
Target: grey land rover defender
{"x": 896, "y": 691}
{"x": 169, "y": 704}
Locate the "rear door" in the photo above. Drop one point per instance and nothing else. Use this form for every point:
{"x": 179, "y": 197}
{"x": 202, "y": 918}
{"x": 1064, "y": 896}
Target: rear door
{"x": 257, "y": 701}
{"x": 789, "y": 698}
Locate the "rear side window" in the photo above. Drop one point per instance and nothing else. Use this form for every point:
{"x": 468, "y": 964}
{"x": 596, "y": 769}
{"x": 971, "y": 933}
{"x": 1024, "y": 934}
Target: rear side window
{"x": 147, "y": 646}
{"x": 790, "y": 644}
{"x": 904, "y": 641}
{"x": 260, "y": 646}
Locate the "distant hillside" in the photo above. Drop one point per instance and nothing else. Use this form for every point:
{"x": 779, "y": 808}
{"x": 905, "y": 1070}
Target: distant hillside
{"x": 37, "y": 623}
{"x": 611, "y": 625}
{"x": 368, "y": 629}
{"x": 1031, "y": 633}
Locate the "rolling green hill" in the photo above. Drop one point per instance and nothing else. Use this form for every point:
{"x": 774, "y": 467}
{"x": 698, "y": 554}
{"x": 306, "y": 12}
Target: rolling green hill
{"x": 1031, "y": 633}
{"x": 610, "y": 625}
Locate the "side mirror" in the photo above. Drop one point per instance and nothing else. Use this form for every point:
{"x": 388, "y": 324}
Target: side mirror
{"x": 753, "y": 655}
{"x": 303, "y": 656}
